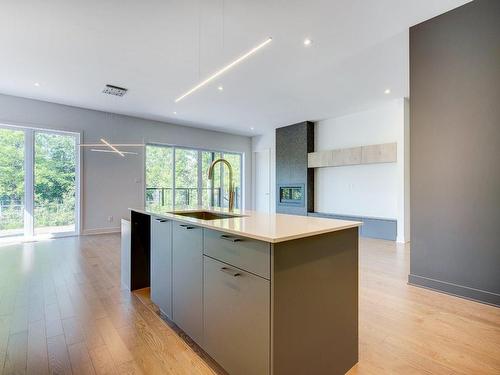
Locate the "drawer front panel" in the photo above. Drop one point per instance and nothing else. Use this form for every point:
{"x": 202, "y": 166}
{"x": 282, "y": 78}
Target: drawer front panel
{"x": 187, "y": 272}
{"x": 245, "y": 253}
{"x": 161, "y": 264}
{"x": 236, "y": 318}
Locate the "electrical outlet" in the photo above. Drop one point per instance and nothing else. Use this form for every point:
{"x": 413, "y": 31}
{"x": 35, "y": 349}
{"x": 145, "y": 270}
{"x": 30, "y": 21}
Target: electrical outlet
{"x": 110, "y": 218}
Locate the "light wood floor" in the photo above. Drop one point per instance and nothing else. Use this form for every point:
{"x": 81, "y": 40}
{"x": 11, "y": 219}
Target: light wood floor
{"x": 62, "y": 312}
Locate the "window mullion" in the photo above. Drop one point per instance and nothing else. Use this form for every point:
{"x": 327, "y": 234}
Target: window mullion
{"x": 29, "y": 177}
{"x": 200, "y": 178}
{"x": 222, "y": 187}
{"x": 173, "y": 178}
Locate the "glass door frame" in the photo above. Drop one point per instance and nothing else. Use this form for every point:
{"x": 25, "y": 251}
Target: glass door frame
{"x": 29, "y": 179}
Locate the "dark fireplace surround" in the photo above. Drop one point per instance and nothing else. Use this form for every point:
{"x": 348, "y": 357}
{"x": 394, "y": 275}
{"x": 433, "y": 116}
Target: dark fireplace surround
{"x": 294, "y": 180}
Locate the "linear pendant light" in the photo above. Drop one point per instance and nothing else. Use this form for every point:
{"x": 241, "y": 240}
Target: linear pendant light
{"x": 224, "y": 69}
{"x": 112, "y": 147}
{"x": 114, "y": 144}
{"x": 114, "y": 152}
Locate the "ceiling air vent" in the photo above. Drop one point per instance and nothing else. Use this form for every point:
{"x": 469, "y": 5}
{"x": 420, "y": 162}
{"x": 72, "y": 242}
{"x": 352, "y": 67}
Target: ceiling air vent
{"x": 114, "y": 90}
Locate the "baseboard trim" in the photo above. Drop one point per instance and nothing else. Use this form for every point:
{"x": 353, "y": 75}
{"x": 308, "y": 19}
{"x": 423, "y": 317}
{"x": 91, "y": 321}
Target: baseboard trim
{"x": 89, "y": 232}
{"x": 472, "y": 294}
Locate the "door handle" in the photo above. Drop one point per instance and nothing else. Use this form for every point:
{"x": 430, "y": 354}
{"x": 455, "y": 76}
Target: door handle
{"x": 161, "y": 220}
{"x": 229, "y": 271}
{"x": 185, "y": 226}
{"x": 229, "y": 238}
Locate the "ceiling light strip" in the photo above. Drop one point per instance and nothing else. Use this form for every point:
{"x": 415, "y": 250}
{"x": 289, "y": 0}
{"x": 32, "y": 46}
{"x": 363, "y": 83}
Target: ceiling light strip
{"x": 224, "y": 69}
{"x": 112, "y": 147}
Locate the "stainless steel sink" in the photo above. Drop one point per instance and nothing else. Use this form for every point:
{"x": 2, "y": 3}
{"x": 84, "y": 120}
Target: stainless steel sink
{"x": 206, "y": 215}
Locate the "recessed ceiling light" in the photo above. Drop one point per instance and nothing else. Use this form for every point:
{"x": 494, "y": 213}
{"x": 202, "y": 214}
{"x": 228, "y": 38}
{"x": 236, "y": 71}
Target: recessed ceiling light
{"x": 175, "y": 112}
{"x": 225, "y": 69}
{"x": 307, "y": 42}
{"x": 36, "y": 84}
{"x": 220, "y": 88}
{"x": 387, "y": 91}
{"x": 252, "y": 128}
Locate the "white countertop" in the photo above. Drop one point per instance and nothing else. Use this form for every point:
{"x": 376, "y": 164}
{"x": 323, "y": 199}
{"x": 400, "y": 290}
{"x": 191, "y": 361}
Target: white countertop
{"x": 260, "y": 226}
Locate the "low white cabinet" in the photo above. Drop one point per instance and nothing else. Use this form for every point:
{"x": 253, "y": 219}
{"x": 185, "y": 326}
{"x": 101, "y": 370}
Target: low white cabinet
{"x": 161, "y": 264}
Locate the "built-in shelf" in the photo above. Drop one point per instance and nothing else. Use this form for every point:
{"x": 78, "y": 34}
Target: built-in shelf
{"x": 371, "y": 154}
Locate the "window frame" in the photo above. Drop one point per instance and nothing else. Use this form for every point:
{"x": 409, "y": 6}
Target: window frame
{"x": 200, "y": 170}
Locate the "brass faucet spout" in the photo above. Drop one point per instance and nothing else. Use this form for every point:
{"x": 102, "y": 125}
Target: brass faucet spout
{"x": 231, "y": 185}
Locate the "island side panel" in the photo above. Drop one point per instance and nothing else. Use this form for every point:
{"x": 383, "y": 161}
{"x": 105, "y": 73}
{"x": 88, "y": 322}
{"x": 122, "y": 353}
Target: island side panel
{"x": 140, "y": 251}
{"x": 315, "y": 304}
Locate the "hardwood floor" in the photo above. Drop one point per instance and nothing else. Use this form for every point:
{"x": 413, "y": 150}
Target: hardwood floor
{"x": 62, "y": 312}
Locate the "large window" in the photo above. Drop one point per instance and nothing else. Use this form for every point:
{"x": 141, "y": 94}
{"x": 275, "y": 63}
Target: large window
{"x": 178, "y": 177}
{"x": 38, "y": 182}
{"x": 11, "y": 182}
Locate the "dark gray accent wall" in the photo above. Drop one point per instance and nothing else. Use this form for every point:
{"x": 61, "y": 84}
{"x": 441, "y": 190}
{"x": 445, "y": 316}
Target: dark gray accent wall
{"x": 293, "y": 143}
{"x": 455, "y": 152}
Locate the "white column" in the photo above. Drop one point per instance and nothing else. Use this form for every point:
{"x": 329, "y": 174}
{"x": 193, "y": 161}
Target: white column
{"x": 403, "y": 218}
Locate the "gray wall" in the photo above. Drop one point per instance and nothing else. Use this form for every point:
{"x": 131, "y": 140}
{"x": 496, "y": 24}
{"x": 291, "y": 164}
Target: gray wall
{"x": 111, "y": 184}
{"x": 455, "y": 152}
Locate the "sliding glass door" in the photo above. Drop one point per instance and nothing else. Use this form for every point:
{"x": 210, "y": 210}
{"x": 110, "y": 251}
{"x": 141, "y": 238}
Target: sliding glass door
{"x": 39, "y": 180}
{"x": 54, "y": 183}
{"x": 11, "y": 182}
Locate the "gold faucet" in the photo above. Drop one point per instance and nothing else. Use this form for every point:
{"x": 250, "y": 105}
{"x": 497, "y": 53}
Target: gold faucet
{"x": 231, "y": 186}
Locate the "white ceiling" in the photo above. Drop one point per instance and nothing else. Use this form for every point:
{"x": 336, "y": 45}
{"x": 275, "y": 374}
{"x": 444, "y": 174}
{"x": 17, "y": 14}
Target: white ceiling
{"x": 159, "y": 49}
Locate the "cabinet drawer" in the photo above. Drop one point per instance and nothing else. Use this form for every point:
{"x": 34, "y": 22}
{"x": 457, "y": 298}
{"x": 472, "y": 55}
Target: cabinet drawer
{"x": 236, "y": 318}
{"x": 245, "y": 253}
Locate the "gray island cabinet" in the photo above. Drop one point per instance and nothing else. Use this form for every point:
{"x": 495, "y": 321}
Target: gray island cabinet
{"x": 258, "y": 307}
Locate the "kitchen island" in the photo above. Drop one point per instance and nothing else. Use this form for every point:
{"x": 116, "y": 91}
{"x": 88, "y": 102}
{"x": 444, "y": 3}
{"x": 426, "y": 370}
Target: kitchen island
{"x": 260, "y": 293}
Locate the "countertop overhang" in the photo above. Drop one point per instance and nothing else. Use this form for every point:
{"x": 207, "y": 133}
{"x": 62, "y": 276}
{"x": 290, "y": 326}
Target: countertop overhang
{"x": 271, "y": 228}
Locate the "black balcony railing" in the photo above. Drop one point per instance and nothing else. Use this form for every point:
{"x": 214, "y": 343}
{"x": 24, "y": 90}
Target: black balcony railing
{"x": 160, "y": 196}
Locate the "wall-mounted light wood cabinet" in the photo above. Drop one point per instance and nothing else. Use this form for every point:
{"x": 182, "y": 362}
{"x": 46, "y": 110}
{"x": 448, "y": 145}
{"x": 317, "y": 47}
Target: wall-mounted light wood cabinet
{"x": 371, "y": 154}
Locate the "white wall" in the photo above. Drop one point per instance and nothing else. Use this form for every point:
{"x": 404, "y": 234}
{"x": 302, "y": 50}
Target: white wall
{"x": 377, "y": 190}
{"x": 267, "y": 142}
{"x": 111, "y": 184}
{"x": 362, "y": 189}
